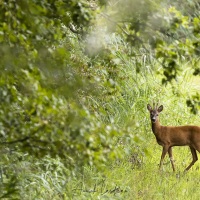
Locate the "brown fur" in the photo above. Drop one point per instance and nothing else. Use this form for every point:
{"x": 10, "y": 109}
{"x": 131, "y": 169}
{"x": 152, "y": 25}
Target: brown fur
{"x": 169, "y": 136}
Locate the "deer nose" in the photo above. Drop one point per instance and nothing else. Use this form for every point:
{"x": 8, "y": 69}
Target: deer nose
{"x": 153, "y": 119}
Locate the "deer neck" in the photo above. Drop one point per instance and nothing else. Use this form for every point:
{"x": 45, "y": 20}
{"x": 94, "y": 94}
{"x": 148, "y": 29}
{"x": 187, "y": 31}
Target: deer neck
{"x": 156, "y": 127}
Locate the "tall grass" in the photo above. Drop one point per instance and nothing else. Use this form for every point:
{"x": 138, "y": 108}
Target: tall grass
{"x": 135, "y": 175}
{"x": 140, "y": 178}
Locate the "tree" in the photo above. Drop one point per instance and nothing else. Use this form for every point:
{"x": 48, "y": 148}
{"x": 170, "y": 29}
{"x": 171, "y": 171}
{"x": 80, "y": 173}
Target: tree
{"x": 42, "y": 111}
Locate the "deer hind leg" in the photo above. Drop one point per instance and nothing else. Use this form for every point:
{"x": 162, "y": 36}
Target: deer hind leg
{"x": 171, "y": 157}
{"x": 194, "y": 156}
{"x": 164, "y": 151}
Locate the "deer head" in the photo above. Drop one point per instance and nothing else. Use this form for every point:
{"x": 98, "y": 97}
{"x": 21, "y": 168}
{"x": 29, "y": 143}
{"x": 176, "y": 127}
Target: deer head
{"x": 154, "y": 112}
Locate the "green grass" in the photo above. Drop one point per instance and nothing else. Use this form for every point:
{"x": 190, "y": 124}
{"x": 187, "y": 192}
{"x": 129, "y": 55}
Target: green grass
{"x": 146, "y": 182}
{"x": 140, "y": 178}
{"x": 134, "y": 175}
{"x": 128, "y": 180}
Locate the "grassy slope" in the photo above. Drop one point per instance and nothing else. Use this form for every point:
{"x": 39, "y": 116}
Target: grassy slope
{"x": 142, "y": 179}
{"x": 136, "y": 174}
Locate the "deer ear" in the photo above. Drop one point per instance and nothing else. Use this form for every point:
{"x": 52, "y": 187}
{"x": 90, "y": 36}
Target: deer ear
{"x": 149, "y": 107}
{"x": 160, "y": 108}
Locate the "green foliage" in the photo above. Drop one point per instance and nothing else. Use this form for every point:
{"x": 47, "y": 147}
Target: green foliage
{"x": 75, "y": 80}
{"x": 183, "y": 46}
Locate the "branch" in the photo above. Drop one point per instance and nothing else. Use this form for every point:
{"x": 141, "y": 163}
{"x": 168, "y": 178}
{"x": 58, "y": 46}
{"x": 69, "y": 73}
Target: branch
{"x": 15, "y": 141}
{"x": 73, "y": 29}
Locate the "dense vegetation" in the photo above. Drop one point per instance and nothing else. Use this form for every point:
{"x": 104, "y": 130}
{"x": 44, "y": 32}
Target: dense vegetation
{"x": 76, "y": 77}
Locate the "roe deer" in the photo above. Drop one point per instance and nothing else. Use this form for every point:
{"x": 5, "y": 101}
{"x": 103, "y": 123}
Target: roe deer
{"x": 169, "y": 136}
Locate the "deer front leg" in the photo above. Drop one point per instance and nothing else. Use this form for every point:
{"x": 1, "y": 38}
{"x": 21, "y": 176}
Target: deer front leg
{"x": 171, "y": 157}
{"x": 164, "y": 151}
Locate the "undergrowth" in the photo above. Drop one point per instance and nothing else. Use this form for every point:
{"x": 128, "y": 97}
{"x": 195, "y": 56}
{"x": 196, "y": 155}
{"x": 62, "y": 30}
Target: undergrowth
{"x": 135, "y": 174}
